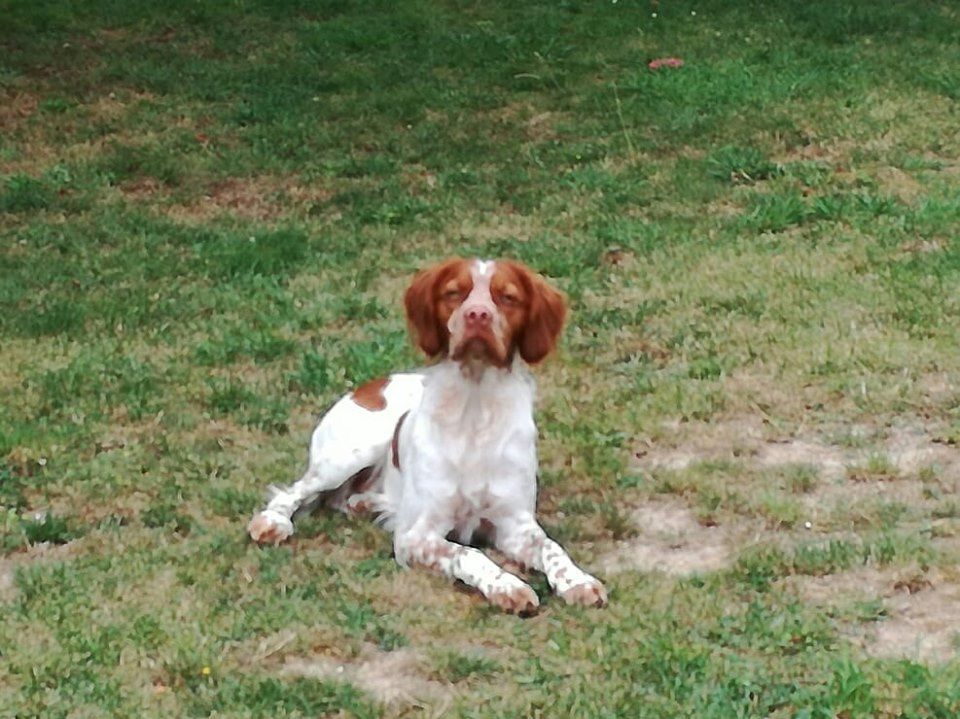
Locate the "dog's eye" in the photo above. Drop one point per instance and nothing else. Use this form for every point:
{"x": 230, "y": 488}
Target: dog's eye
{"x": 452, "y": 295}
{"x": 508, "y": 298}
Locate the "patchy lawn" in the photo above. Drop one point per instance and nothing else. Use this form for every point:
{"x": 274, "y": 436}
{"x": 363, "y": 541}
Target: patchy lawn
{"x": 209, "y": 212}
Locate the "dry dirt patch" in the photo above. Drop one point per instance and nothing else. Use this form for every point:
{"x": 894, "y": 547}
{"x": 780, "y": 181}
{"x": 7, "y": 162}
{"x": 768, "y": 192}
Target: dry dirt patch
{"x": 251, "y": 198}
{"x": 496, "y": 226}
{"x": 44, "y": 552}
{"x": 390, "y": 677}
{"x": 538, "y": 126}
{"x": 908, "y": 449}
{"x": 7, "y": 586}
{"x": 691, "y": 444}
{"x": 924, "y": 626}
{"x": 16, "y": 108}
{"x": 897, "y": 183}
{"x": 911, "y": 449}
{"x": 923, "y": 623}
{"x": 830, "y": 461}
{"x": 856, "y": 499}
{"x": 671, "y": 540}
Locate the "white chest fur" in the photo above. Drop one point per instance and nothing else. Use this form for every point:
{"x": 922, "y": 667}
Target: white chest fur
{"x": 470, "y": 450}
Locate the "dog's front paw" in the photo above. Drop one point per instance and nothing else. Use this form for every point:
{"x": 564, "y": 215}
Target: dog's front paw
{"x": 269, "y": 527}
{"x": 589, "y": 593}
{"x": 515, "y": 599}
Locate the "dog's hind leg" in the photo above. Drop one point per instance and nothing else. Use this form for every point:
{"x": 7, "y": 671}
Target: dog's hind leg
{"x": 349, "y": 440}
{"x": 330, "y": 468}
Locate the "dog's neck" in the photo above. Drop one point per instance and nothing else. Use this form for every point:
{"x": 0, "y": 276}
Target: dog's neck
{"x": 467, "y": 398}
{"x": 479, "y": 377}
{"x": 476, "y": 368}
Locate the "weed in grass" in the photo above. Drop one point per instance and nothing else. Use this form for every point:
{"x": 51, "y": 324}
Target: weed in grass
{"x": 48, "y": 528}
{"x": 878, "y": 467}
{"x": 752, "y": 306}
{"x": 374, "y": 567}
{"x": 113, "y": 524}
{"x": 741, "y": 164}
{"x": 12, "y": 488}
{"x": 780, "y": 512}
{"x": 362, "y": 621}
{"x": 817, "y": 559}
{"x": 632, "y": 481}
{"x": 616, "y": 521}
{"x": 96, "y": 382}
{"x": 166, "y": 514}
{"x": 811, "y": 174}
{"x": 313, "y": 376}
{"x": 705, "y": 368}
{"x": 760, "y": 566}
{"x": 773, "y": 624}
{"x": 233, "y": 398}
{"x": 57, "y": 317}
{"x": 928, "y": 474}
{"x": 872, "y": 610}
{"x": 802, "y": 478}
{"x": 358, "y": 308}
{"x": 376, "y": 358}
{"x": 456, "y": 667}
{"x": 237, "y": 255}
{"x": 23, "y": 193}
{"x": 42, "y": 529}
{"x": 947, "y": 510}
{"x": 232, "y": 502}
{"x": 123, "y": 163}
{"x": 228, "y": 395}
{"x": 260, "y": 346}
{"x": 776, "y": 212}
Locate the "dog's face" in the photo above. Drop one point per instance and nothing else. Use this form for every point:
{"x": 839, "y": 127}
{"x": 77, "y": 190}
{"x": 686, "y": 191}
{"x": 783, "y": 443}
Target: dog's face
{"x": 484, "y": 311}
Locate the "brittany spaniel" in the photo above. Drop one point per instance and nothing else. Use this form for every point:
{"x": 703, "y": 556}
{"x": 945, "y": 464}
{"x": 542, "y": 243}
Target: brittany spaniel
{"x": 447, "y": 455}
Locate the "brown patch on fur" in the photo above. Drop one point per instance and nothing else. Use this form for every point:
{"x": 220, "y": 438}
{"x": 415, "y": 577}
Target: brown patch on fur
{"x": 485, "y": 533}
{"x": 429, "y": 305}
{"x": 370, "y": 394}
{"x": 395, "y": 445}
{"x": 263, "y": 530}
{"x": 428, "y": 554}
{"x": 544, "y": 311}
{"x": 586, "y": 595}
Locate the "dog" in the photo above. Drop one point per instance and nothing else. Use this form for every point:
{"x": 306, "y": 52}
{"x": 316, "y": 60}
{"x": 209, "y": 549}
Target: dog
{"x": 446, "y": 455}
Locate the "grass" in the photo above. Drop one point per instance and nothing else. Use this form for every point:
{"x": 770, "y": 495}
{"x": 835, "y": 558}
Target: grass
{"x": 208, "y": 214}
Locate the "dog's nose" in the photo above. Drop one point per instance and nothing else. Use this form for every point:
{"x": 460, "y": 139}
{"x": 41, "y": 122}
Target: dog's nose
{"x": 478, "y": 316}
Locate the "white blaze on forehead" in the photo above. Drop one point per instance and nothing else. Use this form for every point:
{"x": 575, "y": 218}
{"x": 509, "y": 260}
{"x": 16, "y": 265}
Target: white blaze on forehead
{"x": 482, "y": 268}
{"x": 482, "y": 272}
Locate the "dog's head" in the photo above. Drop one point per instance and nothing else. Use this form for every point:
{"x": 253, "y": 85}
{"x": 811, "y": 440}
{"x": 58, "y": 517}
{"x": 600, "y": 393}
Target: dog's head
{"x": 484, "y": 311}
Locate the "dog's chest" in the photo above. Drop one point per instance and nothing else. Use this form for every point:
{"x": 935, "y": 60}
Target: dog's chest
{"x": 484, "y": 437}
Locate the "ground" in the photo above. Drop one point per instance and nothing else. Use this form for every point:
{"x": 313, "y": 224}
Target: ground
{"x": 209, "y": 212}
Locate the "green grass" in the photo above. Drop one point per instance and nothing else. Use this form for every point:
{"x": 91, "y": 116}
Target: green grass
{"x": 208, "y": 215}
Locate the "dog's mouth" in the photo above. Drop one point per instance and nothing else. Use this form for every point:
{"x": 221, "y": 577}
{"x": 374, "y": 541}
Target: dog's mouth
{"x": 480, "y": 347}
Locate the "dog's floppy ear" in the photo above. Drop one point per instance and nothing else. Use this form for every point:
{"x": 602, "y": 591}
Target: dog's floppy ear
{"x": 420, "y": 301}
{"x": 545, "y": 317}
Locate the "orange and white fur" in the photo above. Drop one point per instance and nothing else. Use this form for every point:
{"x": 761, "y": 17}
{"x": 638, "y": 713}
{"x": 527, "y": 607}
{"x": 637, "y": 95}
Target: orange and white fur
{"x": 448, "y": 453}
